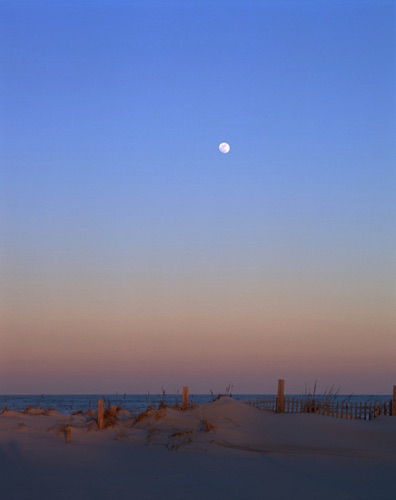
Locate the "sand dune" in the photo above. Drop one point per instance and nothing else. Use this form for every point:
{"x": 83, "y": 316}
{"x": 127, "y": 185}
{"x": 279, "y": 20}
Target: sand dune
{"x": 224, "y": 449}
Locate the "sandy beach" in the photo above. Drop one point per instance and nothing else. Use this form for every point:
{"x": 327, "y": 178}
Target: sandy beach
{"x": 223, "y": 449}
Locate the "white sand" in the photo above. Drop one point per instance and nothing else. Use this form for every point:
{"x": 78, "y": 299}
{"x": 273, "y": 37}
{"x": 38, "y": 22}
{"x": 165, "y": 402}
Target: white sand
{"x": 221, "y": 450}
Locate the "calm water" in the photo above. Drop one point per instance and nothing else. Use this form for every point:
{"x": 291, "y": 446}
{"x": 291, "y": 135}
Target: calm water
{"x": 68, "y": 403}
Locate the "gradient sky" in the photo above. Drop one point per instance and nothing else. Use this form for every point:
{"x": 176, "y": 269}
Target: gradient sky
{"x": 135, "y": 256}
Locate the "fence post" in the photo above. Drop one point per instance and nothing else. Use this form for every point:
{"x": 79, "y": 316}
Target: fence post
{"x": 185, "y": 398}
{"x": 67, "y": 434}
{"x": 100, "y": 413}
{"x": 280, "y": 401}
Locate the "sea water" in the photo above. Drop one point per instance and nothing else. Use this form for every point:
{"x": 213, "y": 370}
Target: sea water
{"x": 136, "y": 403}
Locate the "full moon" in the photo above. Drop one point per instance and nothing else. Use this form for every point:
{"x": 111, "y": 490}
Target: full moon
{"x": 224, "y": 147}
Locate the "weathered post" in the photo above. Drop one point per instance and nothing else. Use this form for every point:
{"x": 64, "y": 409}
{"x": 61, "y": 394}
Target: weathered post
{"x": 185, "y": 398}
{"x": 280, "y": 400}
{"x": 100, "y": 413}
{"x": 67, "y": 434}
{"x": 394, "y": 402}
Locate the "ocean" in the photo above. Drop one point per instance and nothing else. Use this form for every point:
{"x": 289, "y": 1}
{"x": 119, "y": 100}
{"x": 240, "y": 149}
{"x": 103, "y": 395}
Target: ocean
{"x": 69, "y": 403}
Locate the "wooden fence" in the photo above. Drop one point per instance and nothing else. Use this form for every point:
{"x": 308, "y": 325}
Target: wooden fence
{"x": 325, "y": 405}
{"x": 339, "y": 409}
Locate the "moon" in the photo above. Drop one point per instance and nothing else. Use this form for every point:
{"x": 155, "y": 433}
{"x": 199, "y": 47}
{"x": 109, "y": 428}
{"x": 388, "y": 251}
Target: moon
{"x": 224, "y": 147}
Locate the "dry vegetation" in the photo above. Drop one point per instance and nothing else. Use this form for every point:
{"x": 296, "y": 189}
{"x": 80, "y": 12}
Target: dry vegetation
{"x": 207, "y": 426}
{"x": 142, "y": 416}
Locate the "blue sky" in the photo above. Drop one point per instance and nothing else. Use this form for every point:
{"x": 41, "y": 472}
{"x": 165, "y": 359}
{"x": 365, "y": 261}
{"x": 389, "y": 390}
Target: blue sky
{"x": 117, "y": 199}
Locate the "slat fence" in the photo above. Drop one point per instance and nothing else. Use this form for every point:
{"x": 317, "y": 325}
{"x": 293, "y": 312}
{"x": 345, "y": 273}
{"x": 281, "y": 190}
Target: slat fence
{"x": 349, "y": 410}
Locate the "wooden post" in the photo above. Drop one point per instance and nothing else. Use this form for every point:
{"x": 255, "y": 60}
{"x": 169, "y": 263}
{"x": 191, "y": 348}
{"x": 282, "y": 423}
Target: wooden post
{"x": 394, "y": 402}
{"x": 185, "y": 398}
{"x": 67, "y": 434}
{"x": 100, "y": 413}
{"x": 280, "y": 401}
